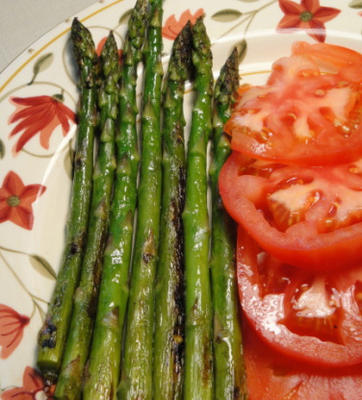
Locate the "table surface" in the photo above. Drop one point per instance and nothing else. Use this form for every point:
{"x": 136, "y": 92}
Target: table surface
{"x": 22, "y": 22}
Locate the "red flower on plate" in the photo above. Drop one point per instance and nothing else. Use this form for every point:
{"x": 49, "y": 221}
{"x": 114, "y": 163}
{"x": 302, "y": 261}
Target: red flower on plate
{"x": 100, "y": 46}
{"x": 16, "y": 200}
{"x": 173, "y": 27}
{"x": 39, "y": 114}
{"x": 307, "y": 15}
{"x": 33, "y": 388}
{"x": 12, "y": 325}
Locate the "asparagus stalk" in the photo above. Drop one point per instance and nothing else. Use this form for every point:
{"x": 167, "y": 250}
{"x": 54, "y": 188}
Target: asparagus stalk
{"x": 85, "y": 300}
{"x": 136, "y": 380}
{"x": 230, "y": 383}
{"x": 104, "y": 364}
{"x": 198, "y": 345}
{"x": 53, "y": 333}
{"x": 169, "y": 329}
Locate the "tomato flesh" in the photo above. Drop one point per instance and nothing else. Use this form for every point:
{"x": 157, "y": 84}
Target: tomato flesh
{"x": 299, "y": 259}
{"x": 313, "y": 318}
{"x": 308, "y": 217}
{"x": 308, "y": 113}
{"x": 271, "y": 376}
{"x": 332, "y": 59}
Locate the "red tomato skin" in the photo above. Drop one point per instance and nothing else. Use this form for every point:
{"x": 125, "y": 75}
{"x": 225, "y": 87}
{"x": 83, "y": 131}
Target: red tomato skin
{"x": 272, "y": 376}
{"x": 323, "y": 251}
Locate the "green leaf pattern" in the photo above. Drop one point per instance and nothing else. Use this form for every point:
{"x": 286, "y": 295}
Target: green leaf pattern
{"x": 42, "y": 266}
{"x": 43, "y": 63}
{"x": 2, "y": 149}
{"x": 124, "y": 17}
{"x": 227, "y": 15}
{"x": 356, "y": 4}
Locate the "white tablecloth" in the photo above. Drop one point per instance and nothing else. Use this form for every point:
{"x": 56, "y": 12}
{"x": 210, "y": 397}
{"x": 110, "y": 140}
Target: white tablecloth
{"x": 22, "y": 22}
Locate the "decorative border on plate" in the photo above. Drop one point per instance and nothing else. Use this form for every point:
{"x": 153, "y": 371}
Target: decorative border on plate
{"x": 54, "y": 39}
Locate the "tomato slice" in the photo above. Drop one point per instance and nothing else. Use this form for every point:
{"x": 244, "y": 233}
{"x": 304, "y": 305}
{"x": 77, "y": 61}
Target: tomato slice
{"x": 307, "y": 217}
{"x": 271, "y": 376}
{"x": 314, "y": 318}
{"x": 333, "y": 59}
{"x": 308, "y": 113}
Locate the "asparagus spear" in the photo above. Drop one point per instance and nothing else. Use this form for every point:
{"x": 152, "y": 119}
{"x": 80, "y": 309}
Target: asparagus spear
{"x": 85, "y": 300}
{"x": 53, "y": 333}
{"x": 228, "y": 359}
{"x": 198, "y": 345}
{"x": 169, "y": 330}
{"x": 104, "y": 365}
{"x": 136, "y": 380}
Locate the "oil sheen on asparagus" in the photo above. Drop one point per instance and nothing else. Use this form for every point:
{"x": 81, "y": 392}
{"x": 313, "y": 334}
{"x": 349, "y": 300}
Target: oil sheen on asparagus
{"x": 169, "y": 325}
{"x": 53, "y": 333}
{"x": 136, "y": 374}
{"x": 85, "y": 299}
{"x": 104, "y": 364}
{"x": 198, "y": 345}
{"x": 229, "y": 368}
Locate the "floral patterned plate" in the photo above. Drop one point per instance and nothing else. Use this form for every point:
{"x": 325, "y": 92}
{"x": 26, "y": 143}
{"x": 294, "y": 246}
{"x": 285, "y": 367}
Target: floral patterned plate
{"x": 38, "y": 99}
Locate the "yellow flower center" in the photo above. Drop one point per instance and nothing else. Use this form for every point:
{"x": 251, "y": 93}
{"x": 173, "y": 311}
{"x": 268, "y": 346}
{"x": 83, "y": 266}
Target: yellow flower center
{"x": 13, "y": 201}
{"x": 306, "y": 16}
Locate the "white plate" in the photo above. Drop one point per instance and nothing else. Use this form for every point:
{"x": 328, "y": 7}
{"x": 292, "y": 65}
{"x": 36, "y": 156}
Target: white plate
{"x": 32, "y": 229}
